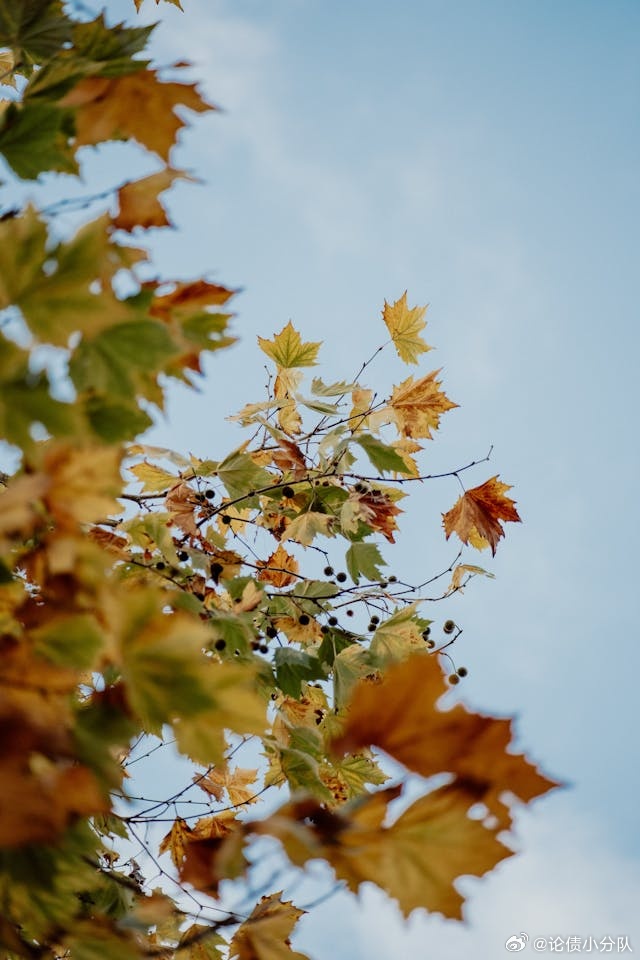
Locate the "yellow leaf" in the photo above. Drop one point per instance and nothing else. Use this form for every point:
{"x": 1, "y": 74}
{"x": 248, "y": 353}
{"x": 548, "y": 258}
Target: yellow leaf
{"x": 466, "y": 568}
{"x": 288, "y": 350}
{"x": 151, "y": 477}
{"x": 404, "y": 325}
{"x": 175, "y": 842}
{"x": 238, "y": 783}
{"x": 265, "y": 934}
{"x": 418, "y": 404}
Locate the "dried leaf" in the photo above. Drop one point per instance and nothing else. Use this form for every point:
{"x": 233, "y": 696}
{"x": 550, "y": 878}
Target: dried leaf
{"x": 481, "y": 511}
{"x": 138, "y": 201}
{"x": 280, "y": 569}
{"x": 418, "y": 404}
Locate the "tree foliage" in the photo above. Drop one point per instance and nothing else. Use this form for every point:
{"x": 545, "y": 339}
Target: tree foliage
{"x": 150, "y": 598}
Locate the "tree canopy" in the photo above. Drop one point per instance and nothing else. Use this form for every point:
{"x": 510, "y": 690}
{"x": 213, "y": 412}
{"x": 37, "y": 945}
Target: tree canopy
{"x": 237, "y": 610}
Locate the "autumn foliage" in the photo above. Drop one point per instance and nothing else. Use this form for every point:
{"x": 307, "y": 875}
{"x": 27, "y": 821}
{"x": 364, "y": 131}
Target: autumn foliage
{"x": 153, "y": 601}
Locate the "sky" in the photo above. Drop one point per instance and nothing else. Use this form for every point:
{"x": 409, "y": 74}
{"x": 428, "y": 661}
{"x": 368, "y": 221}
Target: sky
{"x": 482, "y": 156}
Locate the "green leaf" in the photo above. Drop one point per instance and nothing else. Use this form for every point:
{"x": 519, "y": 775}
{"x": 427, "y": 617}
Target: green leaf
{"x": 116, "y": 420}
{"x": 364, "y": 559}
{"x": 34, "y": 29}
{"x": 123, "y": 361}
{"x": 351, "y": 664}
{"x": 25, "y": 400}
{"x": 293, "y": 667}
{"x": 333, "y": 643}
{"x": 307, "y": 526}
{"x": 22, "y": 252}
{"x": 240, "y": 475}
{"x": 34, "y": 139}
{"x": 383, "y": 457}
{"x": 288, "y": 350}
{"x": 72, "y": 641}
{"x": 164, "y": 667}
{"x": 398, "y": 636}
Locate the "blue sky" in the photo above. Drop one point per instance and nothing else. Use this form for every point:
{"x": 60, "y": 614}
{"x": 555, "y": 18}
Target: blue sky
{"x": 484, "y": 157}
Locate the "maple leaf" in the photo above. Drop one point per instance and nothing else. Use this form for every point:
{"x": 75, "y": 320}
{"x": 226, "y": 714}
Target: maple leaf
{"x": 175, "y": 842}
{"x": 288, "y": 350}
{"x": 290, "y": 458}
{"x": 417, "y": 405}
{"x": 372, "y": 507}
{"x": 404, "y": 325}
{"x": 481, "y": 511}
{"x": 185, "y": 298}
{"x": 280, "y": 569}
{"x": 305, "y": 527}
{"x": 137, "y": 106}
{"x": 138, "y": 201}
{"x": 400, "y": 714}
{"x": 181, "y": 504}
{"x": 238, "y": 784}
{"x": 265, "y": 934}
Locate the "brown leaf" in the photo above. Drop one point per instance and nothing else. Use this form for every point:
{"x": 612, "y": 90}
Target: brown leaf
{"x": 480, "y": 511}
{"x": 290, "y": 459}
{"x": 136, "y": 106}
{"x": 400, "y": 714}
{"x": 138, "y": 201}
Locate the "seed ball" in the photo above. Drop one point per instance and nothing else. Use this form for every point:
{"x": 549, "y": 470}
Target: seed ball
{"x": 449, "y": 626}
{"x": 264, "y": 648}
{"x": 288, "y": 492}
{"x": 431, "y": 644}
{"x": 209, "y": 494}
{"x": 426, "y": 632}
{"x": 183, "y": 555}
{"x": 375, "y": 619}
{"x": 349, "y": 612}
{"x": 303, "y": 619}
{"x": 371, "y": 627}
{"x": 453, "y": 679}
{"x": 393, "y": 578}
{"x": 160, "y": 565}
{"x": 333, "y": 621}
{"x": 328, "y": 571}
{"x": 226, "y": 519}
{"x": 271, "y": 632}
{"x": 220, "y": 644}
{"x": 462, "y": 671}
{"x": 341, "y": 577}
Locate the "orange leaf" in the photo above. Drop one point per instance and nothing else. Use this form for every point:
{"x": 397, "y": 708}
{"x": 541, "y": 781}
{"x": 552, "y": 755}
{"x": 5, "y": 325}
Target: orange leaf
{"x": 400, "y": 714}
{"x": 136, "y": 106}
{"x": 138, "y": 201}
{"x": 479, "y": 512}
{"x": 280, "y": 569}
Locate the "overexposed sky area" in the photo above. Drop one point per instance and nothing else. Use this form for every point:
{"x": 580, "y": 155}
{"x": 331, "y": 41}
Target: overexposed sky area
{"x": 483, "y": 156}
